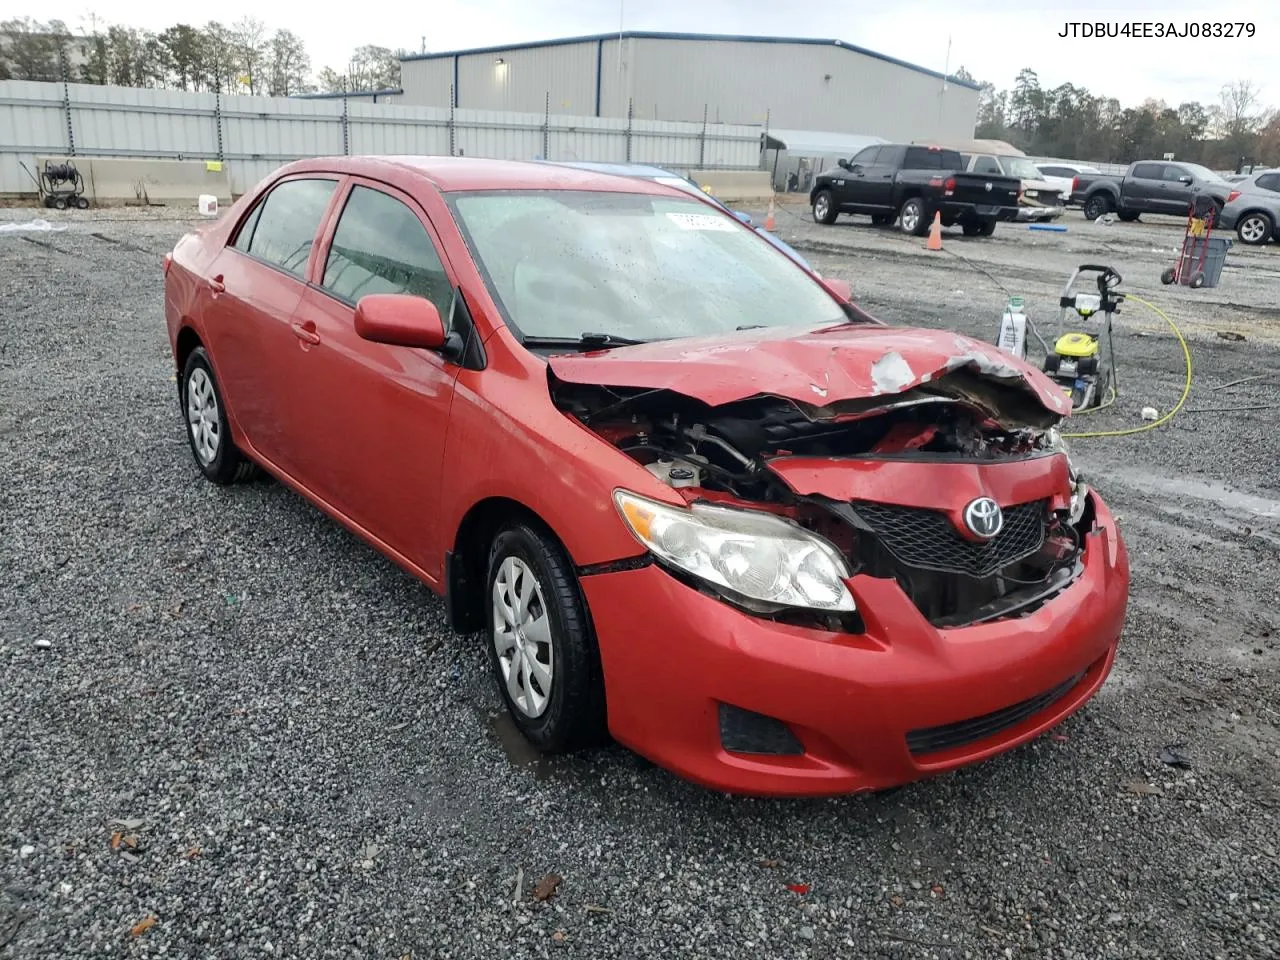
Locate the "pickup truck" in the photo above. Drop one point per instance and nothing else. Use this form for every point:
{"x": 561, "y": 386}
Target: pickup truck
{"x": 909, "y": 184}
{"x": 1148, "y": 186}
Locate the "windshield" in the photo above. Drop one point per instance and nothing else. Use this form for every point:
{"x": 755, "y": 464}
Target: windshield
{"x": 561, "y": 263}
{"x": 1022, "y": 168}
{"x": 1202, "y": 173}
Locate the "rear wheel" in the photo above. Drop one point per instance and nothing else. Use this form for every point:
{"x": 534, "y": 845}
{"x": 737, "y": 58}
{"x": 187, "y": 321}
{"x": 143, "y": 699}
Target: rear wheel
{"x": 824, "y": 208}
{"x": 1197, "y": 281}
{"x": 1255, "y": 228}
{"x": 911, "y": 217}
{"x": 1096, "y": 206}
{"x": 59, "y": 203}
{"x": 542, "y": 647}
{"x": 1167, "y": 277}
{"x": 82, "y": 203}
{"x": 208, "y": 431}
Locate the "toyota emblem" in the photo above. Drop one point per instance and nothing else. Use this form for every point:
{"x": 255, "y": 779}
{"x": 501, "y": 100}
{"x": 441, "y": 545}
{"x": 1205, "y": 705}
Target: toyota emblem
{"x": 984, "y": 517}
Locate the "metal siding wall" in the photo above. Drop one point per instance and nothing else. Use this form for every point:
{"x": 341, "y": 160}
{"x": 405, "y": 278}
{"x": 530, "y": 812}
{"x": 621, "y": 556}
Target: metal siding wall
{"x": 426, "y": 82}
{"x": 740, "y": 81}
{"x": 259, "y": 134}
{"x": 32, "y": 122}
{"x": 522, "y": 82}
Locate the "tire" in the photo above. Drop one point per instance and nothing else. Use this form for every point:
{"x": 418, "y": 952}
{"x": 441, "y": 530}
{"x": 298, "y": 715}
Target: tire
{"x": 1197, "y": 281}
{"x": 983, "y": 228}
{"x": 911, "y": 216}
{"x": 971, "y": 229}
{"x": 571, "y": 714}
{"x": 1088, "y": 366}
{"x": 1129, "y": 217}
{"x": 881, "y": 219}
{"x": 82, "y": 203}
{"x": 1051, "y": 363}
{"x": 1096, "y": 206}
{"x": 1167, "y": 277}
{"x": 824, "y": 208}
{"x": 215, "y": 453}
{"x": 59, "y": 203}
{"x": 1255, "y": 229}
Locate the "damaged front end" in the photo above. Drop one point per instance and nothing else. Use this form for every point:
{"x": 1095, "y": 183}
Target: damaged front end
{"x": 883, "y": 479}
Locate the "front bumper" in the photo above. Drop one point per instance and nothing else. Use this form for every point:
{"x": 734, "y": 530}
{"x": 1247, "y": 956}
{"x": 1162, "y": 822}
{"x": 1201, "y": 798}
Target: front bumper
{"x": 1028, "y": 214}
{"x": 672, "y": 656}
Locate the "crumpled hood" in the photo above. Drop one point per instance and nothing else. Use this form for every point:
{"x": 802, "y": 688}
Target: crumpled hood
{"x": 817, "y": 368}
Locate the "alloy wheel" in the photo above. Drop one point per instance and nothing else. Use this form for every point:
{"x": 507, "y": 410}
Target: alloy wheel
{"x": 1253, "y": 230}
{"x": 522, "y": 637}
{"x": 821, "y": 207}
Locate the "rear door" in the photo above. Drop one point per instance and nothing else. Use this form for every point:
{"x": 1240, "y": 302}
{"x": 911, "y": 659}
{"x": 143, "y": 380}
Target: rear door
{"x": 1143, "y": 189}
{"x": 256, "y": 284}
{"x": 372, "y": 418}
{"x": 880, "y": 177}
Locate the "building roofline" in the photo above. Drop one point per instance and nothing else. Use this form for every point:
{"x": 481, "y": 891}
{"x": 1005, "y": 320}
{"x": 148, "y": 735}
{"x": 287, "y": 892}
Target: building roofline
{"x": 350, "y": 94}
{"x": 660, "y": 35}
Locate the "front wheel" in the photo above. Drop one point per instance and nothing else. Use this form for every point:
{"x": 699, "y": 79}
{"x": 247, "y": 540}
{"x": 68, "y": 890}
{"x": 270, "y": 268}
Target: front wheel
{"x": 208, "y": 431}
{"x": 542, "y": 647}
{"x": 824, "y": 208}
{"x": 911, "y": 217}
{"x": 1167, "y": 277}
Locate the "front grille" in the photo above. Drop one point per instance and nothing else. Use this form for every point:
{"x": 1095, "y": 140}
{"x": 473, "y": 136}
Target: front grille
{"x": 928, "y": 540}
{"x": 952, "y": 735}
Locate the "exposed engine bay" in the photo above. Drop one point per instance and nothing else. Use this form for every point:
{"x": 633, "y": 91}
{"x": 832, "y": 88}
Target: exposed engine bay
{"x": 728, "y": 454}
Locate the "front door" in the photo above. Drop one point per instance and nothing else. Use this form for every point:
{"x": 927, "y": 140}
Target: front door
{"x": 851, "y": 184}
{"x": 370, "y": 419}
{"x": 1175, "y": 197}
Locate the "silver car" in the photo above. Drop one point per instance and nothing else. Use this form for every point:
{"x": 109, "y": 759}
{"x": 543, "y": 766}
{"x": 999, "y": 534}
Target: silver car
{"x": 1254, "y": 214}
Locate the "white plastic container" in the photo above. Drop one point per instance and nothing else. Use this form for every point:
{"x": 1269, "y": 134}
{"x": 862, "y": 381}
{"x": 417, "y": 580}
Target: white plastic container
{"x": 1013, "y": 329}
{"x": 208, "y": 205}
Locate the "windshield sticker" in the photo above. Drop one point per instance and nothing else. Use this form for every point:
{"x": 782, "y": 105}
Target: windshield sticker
{"x": 700, "y": 221}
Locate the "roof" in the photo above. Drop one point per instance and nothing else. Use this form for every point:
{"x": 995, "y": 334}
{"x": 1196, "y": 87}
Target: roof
{"x": 721, "y": 37}
{"x": 816, "y": 143}
{"x": 998, "y": 148}
{"x": 645, "y": 170}
{"x": 449, "y": 174}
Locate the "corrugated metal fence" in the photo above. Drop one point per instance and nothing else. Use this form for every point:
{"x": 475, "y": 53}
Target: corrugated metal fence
{"x": 255, "y": 135}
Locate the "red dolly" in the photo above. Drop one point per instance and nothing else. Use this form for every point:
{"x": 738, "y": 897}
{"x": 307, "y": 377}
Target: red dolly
{"x": 1189, "y": 270}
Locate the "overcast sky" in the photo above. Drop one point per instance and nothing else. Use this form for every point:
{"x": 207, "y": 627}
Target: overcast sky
{"x": 991, "y": 40}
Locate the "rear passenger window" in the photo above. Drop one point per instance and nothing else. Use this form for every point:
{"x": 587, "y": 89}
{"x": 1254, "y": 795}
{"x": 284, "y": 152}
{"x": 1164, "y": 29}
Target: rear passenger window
{"x": 1148, "y": 171}
{"x": 989, "y": 166}
{"x": 284, "y": 227}
{"x": 1269, "y": 181}
{"x": 923, "y": 158}
{"x": 381, "y": 246}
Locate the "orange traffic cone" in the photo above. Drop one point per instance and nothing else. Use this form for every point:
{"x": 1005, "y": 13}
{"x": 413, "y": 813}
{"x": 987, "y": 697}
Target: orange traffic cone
{"x": 769, "y": 223}
{"x": 935, "y": 233}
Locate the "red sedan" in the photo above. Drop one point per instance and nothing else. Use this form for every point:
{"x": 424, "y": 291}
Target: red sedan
{"x": 687, "y": 492}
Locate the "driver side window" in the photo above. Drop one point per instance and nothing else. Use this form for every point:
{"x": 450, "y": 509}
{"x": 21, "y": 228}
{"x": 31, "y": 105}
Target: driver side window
{"x": 866, "y": 156}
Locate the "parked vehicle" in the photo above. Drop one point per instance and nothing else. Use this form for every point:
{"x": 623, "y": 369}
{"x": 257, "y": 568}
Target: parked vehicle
{"x": 1255, "y": 213}
{"x": 1061, "y": 176}
{"x": 1039, "y": 201}
{"x": 1148, "y": 186}
{"x": 910, "y": 183}
{"x": 685, "y": 492}
{"x": 671, "y": 179}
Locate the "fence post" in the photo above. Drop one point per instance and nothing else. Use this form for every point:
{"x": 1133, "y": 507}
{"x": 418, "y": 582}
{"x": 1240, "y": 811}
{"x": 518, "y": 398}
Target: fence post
{"x": 453, "y": 103}
{"x": 546, "y": 128}
{"x": 630, "y": 114}
{"x": 217, "y": 121}
{"x": 346, "y": 126}
{"x": 66, "y": 102}
{"x": 702, "y": 141}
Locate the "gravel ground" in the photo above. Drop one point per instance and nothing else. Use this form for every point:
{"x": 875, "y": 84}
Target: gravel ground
{"x": 223, "y": 716}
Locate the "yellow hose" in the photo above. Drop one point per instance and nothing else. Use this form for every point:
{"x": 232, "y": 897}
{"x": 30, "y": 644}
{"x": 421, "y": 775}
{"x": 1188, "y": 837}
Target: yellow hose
{"x": 1186, "y": 387}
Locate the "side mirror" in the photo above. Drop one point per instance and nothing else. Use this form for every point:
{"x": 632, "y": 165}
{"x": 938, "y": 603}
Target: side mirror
{"x": 1184, "y": 179}
{"x": 838, "y": 289}
{"x": 744, "y": 217}
{"x": 843, "y": 164}
{"x": 401, "y": 320}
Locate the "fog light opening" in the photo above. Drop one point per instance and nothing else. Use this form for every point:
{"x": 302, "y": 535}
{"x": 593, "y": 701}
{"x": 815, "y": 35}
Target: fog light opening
{"x": 746, "y": 732}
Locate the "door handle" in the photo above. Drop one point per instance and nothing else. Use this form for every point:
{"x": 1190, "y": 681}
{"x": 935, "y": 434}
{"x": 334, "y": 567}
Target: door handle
{"x": 217, "y": 286}
{"x": 306, "y": 332}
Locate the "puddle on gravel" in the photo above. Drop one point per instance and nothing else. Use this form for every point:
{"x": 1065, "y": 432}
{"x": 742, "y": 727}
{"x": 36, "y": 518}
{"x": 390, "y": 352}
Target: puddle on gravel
{"x": 520, "y": 751}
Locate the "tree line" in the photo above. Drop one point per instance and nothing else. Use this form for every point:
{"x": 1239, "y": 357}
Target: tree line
{"x": 1069, "y": 122}
{"x": 243, "y": 57}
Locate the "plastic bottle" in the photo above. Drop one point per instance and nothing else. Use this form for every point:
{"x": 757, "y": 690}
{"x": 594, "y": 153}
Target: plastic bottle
{"x": 1013, "y": 329}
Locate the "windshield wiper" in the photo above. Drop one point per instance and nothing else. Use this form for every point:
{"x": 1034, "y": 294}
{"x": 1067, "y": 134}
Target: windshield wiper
{"x": 586, "y": 341}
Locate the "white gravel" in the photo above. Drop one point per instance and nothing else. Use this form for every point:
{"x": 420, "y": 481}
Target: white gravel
{"x": 220, "y": 711}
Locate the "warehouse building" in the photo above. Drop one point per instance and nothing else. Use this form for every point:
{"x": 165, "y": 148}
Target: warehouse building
{"x": 795, "y": 84}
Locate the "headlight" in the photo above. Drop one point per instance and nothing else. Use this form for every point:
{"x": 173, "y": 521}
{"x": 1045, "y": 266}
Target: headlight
{"x": 1056, "y": 443}
{"x": 754, "y": 555}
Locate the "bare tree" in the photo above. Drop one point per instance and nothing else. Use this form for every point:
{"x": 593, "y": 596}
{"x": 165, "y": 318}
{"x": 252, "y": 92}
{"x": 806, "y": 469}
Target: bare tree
{"x": 249, "y": 42}
{"x": 289, "y": 66}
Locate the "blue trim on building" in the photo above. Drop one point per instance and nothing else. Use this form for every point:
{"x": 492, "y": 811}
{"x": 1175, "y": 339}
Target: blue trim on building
{"x": 599, "y": 63}
{"x": 599, "y": 38}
